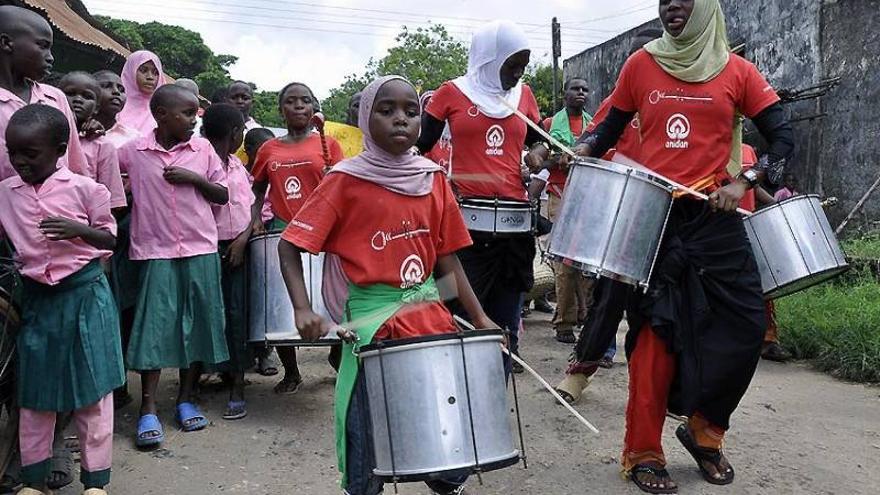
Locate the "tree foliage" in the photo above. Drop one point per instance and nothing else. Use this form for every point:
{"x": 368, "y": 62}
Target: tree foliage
{"x": 425, "y": 56}
{"x": 540, "y": 79}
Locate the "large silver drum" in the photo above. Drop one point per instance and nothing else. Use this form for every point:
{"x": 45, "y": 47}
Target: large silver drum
{"x": 794, "y": 246}
{"x": 270, "y": 312}
{"x": 612, "y": 220}
{"x": 438, "y": 406}
{"x": 499, "y": 217}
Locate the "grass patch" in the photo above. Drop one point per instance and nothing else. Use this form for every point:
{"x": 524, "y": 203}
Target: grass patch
{"x": 837, "y": 325}
{"x": 865, "y": 247}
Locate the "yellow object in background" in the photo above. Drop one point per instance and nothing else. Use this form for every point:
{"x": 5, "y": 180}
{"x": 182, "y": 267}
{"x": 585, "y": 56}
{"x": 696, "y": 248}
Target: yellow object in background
{"x": 350, "y": 138}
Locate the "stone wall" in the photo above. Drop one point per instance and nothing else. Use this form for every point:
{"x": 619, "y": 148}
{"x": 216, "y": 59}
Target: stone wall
{"x": 798, "y": 44}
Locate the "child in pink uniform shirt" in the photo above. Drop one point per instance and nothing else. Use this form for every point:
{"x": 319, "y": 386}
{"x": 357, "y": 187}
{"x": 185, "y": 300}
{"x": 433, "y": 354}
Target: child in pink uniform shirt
{"x": 69, "y": 352}
{"x": 223, "y": 126}
{"x": 179, "y": 320}
{"x": 27, "y": 58}
{"x": 111, "y": 102}
{"x": 83, "y": 94}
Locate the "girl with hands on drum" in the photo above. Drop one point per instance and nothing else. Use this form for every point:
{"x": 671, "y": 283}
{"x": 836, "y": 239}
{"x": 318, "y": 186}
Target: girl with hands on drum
{"x": 388, "y": 223}
{"x": 690, "y": 94}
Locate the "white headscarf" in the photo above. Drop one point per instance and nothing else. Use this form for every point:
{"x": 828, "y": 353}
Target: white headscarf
{"x": 491, "y": 46}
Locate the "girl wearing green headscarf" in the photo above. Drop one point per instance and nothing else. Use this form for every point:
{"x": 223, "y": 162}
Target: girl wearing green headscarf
{"x": 696, "y": 336}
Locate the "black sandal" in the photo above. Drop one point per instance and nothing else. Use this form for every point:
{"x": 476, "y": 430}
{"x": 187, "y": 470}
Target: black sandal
{"x": 659, "y": 473}
{"x": 703, "y": 455}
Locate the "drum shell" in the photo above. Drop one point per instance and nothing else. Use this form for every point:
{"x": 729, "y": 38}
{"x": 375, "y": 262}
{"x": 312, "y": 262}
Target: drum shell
{"x": 611, "y": 221}
{"x": 427, "y": 396}
{"x": 795, "y": 246}
{"x": 499, "y": 217}
{"x": 270, "y": 312}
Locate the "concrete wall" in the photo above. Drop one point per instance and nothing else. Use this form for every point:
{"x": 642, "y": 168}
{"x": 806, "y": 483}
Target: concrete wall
{"x": 798, "y": 44}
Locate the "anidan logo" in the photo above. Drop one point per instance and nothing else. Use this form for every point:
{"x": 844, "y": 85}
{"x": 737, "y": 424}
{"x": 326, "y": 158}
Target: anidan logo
{"x": 412, "y": 271}
{"x": 495, "y": 140}
{"x": 678, "y": 128}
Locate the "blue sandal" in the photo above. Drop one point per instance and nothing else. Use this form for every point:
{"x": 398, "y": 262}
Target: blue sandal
{"x": 190, "y": 418}
{"x": 149, "y": 431}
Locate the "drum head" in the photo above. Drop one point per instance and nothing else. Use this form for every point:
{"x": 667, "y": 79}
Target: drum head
{"x": 428, "y": 339}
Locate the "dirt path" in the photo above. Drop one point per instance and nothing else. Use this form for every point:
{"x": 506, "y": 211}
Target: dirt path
{"x": 797, "y": 431}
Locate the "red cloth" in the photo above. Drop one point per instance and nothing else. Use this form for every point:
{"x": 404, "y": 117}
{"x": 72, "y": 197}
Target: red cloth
{"x": 687, "y": 128}
{"x": 441, "y": 154}
{"x": 488, "y": 152}
{"x": 383, "y": 237}
{"x": 749, "y": 159}
{"x": 651, "y": 370}
{"x": 293, "y": 171}
{"x": 630, "y": 141}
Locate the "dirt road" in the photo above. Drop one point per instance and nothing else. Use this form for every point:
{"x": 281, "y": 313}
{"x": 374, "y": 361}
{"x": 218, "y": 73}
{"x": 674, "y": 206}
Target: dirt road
{"x": 797, "y": 432}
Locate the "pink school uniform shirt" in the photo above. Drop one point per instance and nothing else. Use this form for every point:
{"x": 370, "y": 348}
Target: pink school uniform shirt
{"x": 102, "y": 165}
{"x": 233, "y": 217}
{"x": 46, "y": 95}
{"x": 63, "y": 194}
{"x": 120, "y": 134}
{"x": 170, "y": 221}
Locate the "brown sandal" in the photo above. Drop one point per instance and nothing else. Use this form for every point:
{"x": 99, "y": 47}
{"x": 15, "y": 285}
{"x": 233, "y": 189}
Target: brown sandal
{"x": 703, "y": 455}
{"x": 657, "y": 472}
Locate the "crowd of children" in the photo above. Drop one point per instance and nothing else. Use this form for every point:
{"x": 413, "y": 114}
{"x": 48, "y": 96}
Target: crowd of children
{"x": 129, "y": 210}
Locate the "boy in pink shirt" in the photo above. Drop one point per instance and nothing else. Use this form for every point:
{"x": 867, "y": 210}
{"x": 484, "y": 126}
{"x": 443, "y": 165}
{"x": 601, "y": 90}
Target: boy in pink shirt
{"x": 179, "y": 316}
{"x": 26, "y": 57}
{"x": 111, "y": 102}
{"x": 69, "y": 351}
{"x": 83, "y": 94}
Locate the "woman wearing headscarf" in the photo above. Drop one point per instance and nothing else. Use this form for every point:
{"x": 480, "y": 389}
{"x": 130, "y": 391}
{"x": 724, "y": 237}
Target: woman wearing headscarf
{"x": 389, "y": 222}
{"x": 695, "y": 337}
{"x": 489, "y": 140}
{"x": 141, "y": 76}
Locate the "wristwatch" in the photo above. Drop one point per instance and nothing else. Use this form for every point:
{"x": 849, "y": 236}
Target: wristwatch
{"x": 750, "y": 176}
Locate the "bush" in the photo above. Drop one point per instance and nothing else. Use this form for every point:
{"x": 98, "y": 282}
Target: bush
{"x": 866, "y": 247}
{"x": 837, "y": 325}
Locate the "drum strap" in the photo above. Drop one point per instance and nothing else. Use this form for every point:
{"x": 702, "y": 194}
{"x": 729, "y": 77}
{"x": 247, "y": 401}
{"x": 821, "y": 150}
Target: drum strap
{"x": 375, "y": 305}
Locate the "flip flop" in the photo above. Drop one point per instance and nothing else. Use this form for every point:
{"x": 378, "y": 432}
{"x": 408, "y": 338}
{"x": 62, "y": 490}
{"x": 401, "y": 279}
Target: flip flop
{"x": 267, "y": 366}
{"x": 658, "y": 473}
{"x": 190, "y": 418}
{"x": 149, "y": 423}
{"x": 235, "y": 409}
{"x": 703, "y": 455}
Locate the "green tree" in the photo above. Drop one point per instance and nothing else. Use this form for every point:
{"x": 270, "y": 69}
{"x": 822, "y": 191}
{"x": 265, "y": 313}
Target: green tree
{"x": 426, "y": 56}
{"x": 540, "y": 79}
{"x": 265, "y": 109}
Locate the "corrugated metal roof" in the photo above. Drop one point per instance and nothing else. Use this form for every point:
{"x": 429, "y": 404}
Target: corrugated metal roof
{"x": 63, "y": 17}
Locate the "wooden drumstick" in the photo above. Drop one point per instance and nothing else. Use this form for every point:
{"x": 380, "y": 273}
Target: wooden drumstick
{"x": 571, "y": 153}
{"x": 461, "y": 321}
{"x": 318, "y": 121}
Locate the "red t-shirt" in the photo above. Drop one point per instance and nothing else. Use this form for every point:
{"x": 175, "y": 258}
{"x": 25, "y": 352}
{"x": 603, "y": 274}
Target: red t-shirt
{"x": 687, "y": 128}
{"x": 441, "y": 154}
{"x": 629, "y": 142}
{"x": 556, "y": 181}
{"x": 488, "y": 152}
{"x": 749, "y": 159}
{"x": 293, "y": 171}
{"x": 383, "y": 237}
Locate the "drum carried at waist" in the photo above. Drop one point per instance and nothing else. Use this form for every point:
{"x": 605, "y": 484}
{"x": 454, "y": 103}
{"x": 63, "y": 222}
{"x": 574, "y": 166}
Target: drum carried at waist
{"x": 438, "y": 406}
{"x": 270, "y": 312}
{"x": 498, "y": 216}
{"x": 794, "y": 245}
{"x": 612, "y": 221}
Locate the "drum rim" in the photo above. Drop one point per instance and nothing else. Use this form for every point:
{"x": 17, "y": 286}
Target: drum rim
{"x": 490, "y": 203}
{"x": 815, "y": 279}
{"x": 268, "y": 235}
{"x": 387, "y": 345}
{"x": 596, "y": 271}
{"x": 502, "y": 462}
{"x": 784, "y": 202}
{"x": 619, "y": 168}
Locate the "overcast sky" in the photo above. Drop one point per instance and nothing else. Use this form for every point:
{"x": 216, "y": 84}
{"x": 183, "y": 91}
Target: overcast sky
{"x": 321, "y": 41}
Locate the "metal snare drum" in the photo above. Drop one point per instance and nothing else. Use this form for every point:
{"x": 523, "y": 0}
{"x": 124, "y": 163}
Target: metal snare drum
{"x": 270, "y": 312}
{"x": 438, "y": 406}
{"x": 498, "y": 216}
{"x": 611, "y": 221}
{"x": 794, "y": 245}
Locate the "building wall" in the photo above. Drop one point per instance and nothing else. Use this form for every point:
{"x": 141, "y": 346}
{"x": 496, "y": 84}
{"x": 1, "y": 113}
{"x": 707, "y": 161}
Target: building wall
{"x": 798, "y": 44}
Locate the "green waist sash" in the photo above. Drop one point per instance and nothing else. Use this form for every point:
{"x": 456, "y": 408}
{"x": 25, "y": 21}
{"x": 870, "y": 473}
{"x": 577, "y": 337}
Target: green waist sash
{"x": 370, "y": 307}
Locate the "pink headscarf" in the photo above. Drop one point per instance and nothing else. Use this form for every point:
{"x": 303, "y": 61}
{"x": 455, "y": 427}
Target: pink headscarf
{"x": 136, "y": 113}
{"x": 406, "y": 174}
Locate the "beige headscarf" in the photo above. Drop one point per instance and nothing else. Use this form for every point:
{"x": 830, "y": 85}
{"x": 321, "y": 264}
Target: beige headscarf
{"x": 698, "y": 55}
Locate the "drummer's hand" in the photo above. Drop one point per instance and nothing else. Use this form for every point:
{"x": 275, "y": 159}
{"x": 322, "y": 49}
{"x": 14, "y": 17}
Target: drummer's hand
{"x": 311, "y": 326}
{"x": 583, "y": 150}
{"x": 728, "y": 197}
{"x": 346, "y": 335}
{"x": 234, "y": 254}
{"x": 258, "y": 228}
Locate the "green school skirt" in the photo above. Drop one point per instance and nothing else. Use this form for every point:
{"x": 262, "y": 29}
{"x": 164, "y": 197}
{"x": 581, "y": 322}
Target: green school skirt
{"x": 179, "y": 319}
{"x": 124, "y": 275}
{"x": 234, "y": 284}
{"x": 69, "y": 351}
